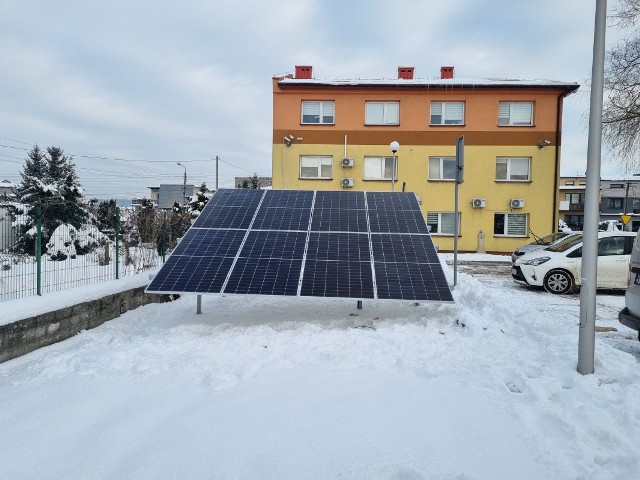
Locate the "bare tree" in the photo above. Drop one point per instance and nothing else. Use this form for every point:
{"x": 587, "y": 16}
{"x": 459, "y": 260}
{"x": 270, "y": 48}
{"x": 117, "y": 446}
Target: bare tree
{"x": 621, "y": 115}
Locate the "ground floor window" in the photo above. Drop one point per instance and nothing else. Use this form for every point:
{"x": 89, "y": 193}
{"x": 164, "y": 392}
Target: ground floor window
{"x": 442, "y": 223}
{"x": 574, "y": 222}
{"x": 378, "y": 168}
{"x": 510, "y": 224}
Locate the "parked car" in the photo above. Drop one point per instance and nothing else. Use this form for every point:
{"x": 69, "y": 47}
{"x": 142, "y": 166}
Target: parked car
{"x": 630, "y": 314}
{"x": 558, "y": 267}
{"x": 539, "y": 243}
{"x": 610, "y": 226}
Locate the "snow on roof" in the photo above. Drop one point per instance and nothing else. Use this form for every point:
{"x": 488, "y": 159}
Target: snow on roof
{"x": 433, "y": 82}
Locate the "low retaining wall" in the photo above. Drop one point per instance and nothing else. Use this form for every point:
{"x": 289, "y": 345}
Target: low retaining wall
{"x": 29, "y": 334}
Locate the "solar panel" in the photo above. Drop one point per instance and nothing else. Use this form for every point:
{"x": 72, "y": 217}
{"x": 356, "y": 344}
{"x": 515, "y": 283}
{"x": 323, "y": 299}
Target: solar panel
{"x": 337, "y": 220}
{"x": 305, "y": 243}
{"x": 282, "y": 219}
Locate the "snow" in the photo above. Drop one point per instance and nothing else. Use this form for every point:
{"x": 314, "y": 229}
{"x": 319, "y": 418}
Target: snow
{"x": 286, "y": 388}
{"x": 487, "y": 82}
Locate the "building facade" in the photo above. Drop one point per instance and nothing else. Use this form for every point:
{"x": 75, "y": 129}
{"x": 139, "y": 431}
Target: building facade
{"x": 616, "y": 198}
{"x": 330, "y": 135}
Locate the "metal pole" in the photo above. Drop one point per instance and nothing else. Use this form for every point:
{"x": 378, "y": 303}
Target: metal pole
{"x": 459, "y": 179}
{"x": 626, "y": 197}
{"x": 217, "y": 159}
{"x": 393, "y": 174}
{"x": 117, "y": 243}
{"x": 184, "y": 187}
{"x": 455, "y": 236}
{"x": 199, "y": 304}
{"x": 586, "y": 343}
{"x": 39, "y": 249}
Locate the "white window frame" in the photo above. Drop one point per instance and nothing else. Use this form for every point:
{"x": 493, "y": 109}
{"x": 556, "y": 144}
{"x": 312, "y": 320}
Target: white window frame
{"x": 510, "y": 221}
{"x": 510, "y": 114}
{"x": 387, "y": 111}
{"x": 436, "y": 217}
{"x": 447, "y": 113}
{"x": 440, "y": 169}
{"x": 509, "y": 173}
{"x": 377, "y": 172}
{"x": 320, "y": 160}
{"x": 323, "y": 107}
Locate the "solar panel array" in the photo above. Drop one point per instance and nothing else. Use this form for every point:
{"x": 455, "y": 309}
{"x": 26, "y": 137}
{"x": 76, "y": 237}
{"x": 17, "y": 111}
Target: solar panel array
{"x": 307, "y": 243}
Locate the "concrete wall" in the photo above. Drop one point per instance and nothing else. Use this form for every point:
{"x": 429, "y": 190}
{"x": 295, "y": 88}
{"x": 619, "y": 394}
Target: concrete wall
{"x": 29, "y": 334}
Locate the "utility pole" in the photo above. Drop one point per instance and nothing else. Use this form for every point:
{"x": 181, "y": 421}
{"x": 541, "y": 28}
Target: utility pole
{"x": 217, "y": 159}
{"x": 184, "y": 185}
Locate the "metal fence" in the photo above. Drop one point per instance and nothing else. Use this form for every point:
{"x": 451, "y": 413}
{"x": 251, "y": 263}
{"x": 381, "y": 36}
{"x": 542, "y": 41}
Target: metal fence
{"x": 39, "y": 254}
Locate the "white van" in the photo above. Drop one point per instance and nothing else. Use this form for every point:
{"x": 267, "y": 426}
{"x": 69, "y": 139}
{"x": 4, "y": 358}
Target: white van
{"x": 630, "y": 314}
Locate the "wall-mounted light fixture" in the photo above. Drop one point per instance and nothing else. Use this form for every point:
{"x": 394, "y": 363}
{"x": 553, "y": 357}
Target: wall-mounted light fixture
{"x": 543, "y": 143}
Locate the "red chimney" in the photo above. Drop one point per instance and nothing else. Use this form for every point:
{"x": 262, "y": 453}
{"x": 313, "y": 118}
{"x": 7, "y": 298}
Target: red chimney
{"x": 304, "y": 71}
{"x": 446, "y": 72}
{"x": 405, "y": 73}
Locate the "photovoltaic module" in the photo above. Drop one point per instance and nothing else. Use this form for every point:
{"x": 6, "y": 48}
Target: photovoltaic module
{"x": 307, "y": 243}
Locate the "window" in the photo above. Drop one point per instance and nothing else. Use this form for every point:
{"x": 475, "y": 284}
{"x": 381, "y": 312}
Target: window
{"x": 574, "y": 198}
{"x": 442, "y": 168}
{"x": 447, "y": 113}
{"x": 378, "y": 168}
{"x": 510, "y": 224}
{"x": 514, "y": 169}
{"x": 441, "y": 223}
{"x": 316, "y": 167}
{"x": 616, "y": 185}
{"x": 318, "y": 112}
{"x": 569, "y": 182}
{"x": 382, "y": 113}
{"x": 575, "y": 222}
{"x": 614, "y": 203}
{"x": 515, "y": 113}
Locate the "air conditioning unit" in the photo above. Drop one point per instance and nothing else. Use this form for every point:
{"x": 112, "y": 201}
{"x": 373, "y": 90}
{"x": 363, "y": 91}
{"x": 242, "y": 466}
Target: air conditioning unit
{"x": 517, "y": 203}
{"x": 479, "y": 203}
{"x": 347, "y": 182}
{"x": 347, "y": 162}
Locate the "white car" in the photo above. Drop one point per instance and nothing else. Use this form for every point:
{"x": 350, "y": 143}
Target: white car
{"x": 630, "y": 314}
{"x": 558, "y": 268}
{"x": 539, "y": 243}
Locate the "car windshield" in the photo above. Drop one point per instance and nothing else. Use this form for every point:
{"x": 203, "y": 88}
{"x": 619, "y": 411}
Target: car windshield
{"x": 566, "y": 244}
{"x": 549, "y": 239}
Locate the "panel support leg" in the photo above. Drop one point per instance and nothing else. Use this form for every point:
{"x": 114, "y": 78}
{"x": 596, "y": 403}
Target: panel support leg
{"x": 199, "y": 304}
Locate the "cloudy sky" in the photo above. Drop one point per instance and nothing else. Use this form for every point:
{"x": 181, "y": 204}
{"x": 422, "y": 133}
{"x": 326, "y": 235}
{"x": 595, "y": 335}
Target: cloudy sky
{"x": 131, "y": 87}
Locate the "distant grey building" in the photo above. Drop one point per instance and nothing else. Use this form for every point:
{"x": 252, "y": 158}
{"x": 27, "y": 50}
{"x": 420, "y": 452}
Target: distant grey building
{"x": 168, "y": 194}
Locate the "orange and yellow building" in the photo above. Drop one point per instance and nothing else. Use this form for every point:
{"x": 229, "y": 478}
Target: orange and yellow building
{"x": 335, "y": 134}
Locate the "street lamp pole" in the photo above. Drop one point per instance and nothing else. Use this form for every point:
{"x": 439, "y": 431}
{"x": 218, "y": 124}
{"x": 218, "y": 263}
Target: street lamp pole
{"x": 394, "y": 146}
{"x": 184, "y": 184}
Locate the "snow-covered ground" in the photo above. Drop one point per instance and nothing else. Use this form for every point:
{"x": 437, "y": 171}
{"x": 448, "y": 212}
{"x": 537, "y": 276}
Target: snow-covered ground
{"x": 285, "y": 388}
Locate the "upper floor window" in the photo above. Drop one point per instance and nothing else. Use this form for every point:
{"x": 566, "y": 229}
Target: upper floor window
{"x": 513, "y": 168}
{"x": 378, "y": 168}
{"x": 316, "y": 167}
{"x": 569, "y": 182}
{"x": 442, "y": 168}
{"x": 510, "y": 224}
{"x": 515, "y": 113}
{"x": 574, "y": 197}
{"x": 442, "y": 223}
{"x": 615, "y": 203}
{"x": 447, "y": 113}
{"x": 382, "y": 113}
{"x": 616, "y": 185}
{"x": 318, "y": 112}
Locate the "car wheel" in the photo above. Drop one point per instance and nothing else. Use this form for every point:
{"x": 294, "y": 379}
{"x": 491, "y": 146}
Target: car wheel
{"x": 558, "y": 282}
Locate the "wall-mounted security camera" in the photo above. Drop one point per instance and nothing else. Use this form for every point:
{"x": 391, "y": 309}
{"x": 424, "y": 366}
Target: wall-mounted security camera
{"x": 543, "y": 143}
